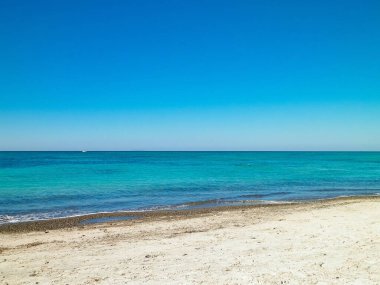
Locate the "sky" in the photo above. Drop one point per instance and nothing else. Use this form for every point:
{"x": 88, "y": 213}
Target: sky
{"x": 190, "y": 75}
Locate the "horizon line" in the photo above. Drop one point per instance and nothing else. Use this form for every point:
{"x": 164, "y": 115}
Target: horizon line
{"x": 84, "y": 151}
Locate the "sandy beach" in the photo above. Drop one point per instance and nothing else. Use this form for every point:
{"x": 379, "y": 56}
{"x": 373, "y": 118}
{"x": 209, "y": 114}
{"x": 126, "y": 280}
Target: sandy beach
{"x": 325, "y": 242}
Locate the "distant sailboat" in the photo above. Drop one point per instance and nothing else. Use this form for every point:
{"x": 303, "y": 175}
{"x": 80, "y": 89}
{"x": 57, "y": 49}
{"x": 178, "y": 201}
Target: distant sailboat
{"x": 84, "y": 150}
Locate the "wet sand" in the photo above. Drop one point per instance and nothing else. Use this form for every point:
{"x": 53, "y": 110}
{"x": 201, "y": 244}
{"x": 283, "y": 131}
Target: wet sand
{"x": 323, "y": 242}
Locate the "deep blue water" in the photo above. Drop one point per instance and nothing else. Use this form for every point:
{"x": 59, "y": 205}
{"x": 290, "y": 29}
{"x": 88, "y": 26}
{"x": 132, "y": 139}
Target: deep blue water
{"x": 39, "y": 185}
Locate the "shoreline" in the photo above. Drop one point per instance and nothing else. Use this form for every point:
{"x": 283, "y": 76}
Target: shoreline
{"x": 133, "y": 217}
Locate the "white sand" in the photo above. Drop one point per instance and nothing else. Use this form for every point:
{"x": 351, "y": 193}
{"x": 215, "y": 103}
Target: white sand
{"x": 335, "y": 242}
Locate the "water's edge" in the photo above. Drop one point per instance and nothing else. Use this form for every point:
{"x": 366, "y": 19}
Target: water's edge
{"x": 214, "y": 203}
{"x": 139, "y": 216}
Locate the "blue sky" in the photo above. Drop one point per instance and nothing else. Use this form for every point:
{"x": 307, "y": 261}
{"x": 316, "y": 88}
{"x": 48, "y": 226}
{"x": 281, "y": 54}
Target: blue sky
{"x": 190, "y": 75}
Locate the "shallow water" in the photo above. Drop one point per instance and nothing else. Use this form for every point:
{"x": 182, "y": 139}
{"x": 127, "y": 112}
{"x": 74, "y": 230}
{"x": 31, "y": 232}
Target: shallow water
{"x": 42, "y": 185}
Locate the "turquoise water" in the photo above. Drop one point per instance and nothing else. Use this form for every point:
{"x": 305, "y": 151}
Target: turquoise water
{"x": 40, "y": 185}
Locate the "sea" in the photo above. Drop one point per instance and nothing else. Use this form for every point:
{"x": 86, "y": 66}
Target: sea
{"x": 45, "y": 185}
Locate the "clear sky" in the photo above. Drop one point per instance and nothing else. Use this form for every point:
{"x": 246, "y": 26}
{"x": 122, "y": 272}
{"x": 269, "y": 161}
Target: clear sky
{"x": 190, "y": 75}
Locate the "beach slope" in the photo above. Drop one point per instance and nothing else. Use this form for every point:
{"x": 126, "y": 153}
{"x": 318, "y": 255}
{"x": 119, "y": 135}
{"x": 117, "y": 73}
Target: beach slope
{"x": 329, "y": 242}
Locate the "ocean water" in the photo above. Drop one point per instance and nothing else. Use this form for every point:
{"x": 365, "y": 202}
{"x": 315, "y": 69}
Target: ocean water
{"x": 42, "y": 185}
